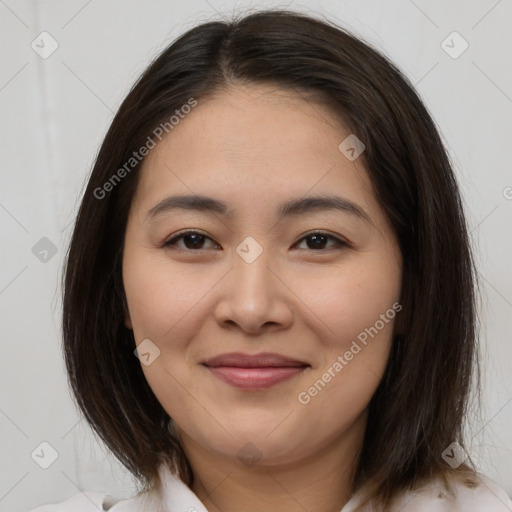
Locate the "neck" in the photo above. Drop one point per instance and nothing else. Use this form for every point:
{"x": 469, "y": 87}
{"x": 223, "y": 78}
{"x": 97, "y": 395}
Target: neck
{"x": 321, "y": 481}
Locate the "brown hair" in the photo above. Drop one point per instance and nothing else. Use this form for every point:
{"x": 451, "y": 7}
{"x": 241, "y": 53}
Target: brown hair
{"x": 420, "y": 404}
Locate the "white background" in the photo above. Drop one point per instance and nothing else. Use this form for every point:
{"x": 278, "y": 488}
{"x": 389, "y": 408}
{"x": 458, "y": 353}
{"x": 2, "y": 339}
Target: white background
{"x": 54, "y": 113}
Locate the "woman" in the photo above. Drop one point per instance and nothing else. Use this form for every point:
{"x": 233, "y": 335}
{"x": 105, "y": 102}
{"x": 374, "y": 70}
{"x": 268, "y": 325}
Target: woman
{"x": 269, "y": 294}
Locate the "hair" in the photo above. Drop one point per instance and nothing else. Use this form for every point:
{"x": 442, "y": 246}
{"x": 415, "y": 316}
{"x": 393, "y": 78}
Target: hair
{"x": 420, "y": 405}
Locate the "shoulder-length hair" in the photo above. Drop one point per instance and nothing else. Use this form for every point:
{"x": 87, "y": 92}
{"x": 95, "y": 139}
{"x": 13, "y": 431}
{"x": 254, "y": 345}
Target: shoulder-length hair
{"x": 420, "y": 404}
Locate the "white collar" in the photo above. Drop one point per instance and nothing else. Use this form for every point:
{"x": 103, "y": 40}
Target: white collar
{"x": 178, "y": 497}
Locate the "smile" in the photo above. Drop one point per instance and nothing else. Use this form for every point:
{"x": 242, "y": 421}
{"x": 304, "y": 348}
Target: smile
{"x": 254, "y": 371}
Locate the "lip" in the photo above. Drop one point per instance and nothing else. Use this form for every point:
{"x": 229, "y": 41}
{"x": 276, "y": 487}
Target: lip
{"x": 254, "y": 371}
{"x": 263, "y": 360}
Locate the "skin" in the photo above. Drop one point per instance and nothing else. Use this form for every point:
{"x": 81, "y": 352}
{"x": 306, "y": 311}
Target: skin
{"x": 254, "y": 147}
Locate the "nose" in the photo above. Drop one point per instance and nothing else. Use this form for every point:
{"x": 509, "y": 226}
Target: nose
{"x": 254, "y": 297}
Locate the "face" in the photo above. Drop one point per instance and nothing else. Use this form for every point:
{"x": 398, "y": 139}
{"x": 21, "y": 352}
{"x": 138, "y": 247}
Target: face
{"x": 319, "y": 285}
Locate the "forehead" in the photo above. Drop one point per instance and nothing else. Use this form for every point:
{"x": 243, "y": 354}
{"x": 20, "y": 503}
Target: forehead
{"x": 254, "y": 142}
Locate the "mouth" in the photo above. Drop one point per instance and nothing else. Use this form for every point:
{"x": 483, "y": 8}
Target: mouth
{"x": 259, "y": 371}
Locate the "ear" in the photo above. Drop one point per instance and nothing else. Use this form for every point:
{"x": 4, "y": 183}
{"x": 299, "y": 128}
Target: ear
{"x": 128, "y": 321}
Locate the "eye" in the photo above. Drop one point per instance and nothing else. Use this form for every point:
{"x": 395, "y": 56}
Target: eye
{"x": 191, "y": 239}
{"x": 318, "y": 240}
{"x": 195, "y": 240}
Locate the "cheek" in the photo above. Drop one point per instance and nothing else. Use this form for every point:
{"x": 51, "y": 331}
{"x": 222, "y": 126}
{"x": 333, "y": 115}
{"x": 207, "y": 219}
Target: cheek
{"x": 160, "y": 297}
{"x": 163, "y": 305}
{"x": 360, "y": 308}
{"x": 347, "y": 301}
{"x": 336, "y": 303}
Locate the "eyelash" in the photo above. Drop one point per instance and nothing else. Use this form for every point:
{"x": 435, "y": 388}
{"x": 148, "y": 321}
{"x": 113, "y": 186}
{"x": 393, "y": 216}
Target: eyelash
{"x": 340, "y": 244}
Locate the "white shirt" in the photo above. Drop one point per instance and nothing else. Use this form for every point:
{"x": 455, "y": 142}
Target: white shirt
{"x": 177, "y": 497}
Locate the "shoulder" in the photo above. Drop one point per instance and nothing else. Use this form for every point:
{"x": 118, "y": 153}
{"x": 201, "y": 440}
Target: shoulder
{"x": 94, "y": 502}
{"x": 462, "y": 495}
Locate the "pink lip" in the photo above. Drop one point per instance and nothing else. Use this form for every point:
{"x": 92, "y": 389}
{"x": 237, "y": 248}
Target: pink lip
{"x": 257, "y": 371}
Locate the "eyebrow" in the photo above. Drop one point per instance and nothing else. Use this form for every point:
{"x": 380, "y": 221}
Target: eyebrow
{"x": 293, "y": 207}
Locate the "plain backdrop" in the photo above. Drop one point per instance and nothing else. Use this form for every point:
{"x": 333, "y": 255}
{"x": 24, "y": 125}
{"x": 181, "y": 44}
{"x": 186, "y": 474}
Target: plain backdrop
{"x": 55, "y": 110}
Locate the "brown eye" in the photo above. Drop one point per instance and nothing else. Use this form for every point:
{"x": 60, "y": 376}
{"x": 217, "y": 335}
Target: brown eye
{"x": 192, "y": 240}
{"x": 195, "y": 241}
{"x": 318, "y": 240}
